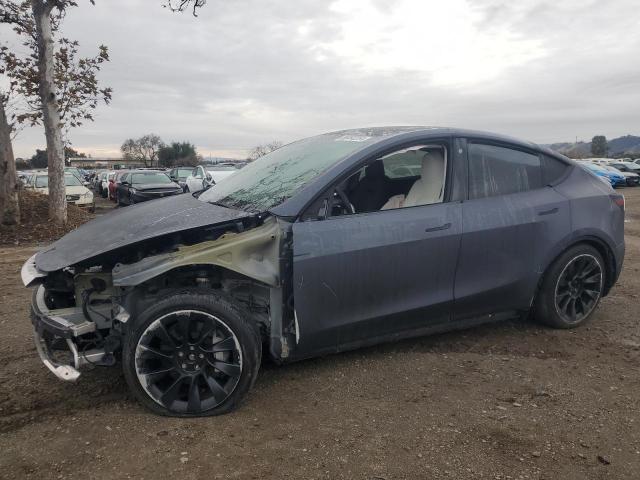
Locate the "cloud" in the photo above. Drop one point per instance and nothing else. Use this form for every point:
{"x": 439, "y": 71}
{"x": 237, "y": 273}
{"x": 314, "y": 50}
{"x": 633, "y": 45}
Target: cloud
{"x": 248, "y": 71}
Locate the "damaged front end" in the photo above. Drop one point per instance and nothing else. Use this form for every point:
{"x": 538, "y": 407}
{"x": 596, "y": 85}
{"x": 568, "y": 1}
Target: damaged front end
{"x": 81, "y": 313}
{"x": 76, "y": 319}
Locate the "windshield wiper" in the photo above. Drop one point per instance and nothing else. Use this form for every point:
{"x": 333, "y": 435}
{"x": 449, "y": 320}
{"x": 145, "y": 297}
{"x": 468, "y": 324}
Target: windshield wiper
{"x": 218, "y": 204}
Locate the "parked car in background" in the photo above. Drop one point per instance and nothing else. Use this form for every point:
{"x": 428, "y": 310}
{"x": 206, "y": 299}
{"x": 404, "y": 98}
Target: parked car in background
{"x": 75, "y": 191}
{"x": 141, "y": 185}
{"x": 204, "y": 176}
{"x": 104, "y": 183}
{"x": 79, "y": 174}
{"x": 631, "y": 179}
{"x": 314, "y": 249}
{"x": 96, "y": 180}
{"x": 114, "y": 181}
{"x": 101, "y": 182}
{"x": 179, "y": 175}
{"x": 614, "y": 179}
{"x": 627, "y": 167}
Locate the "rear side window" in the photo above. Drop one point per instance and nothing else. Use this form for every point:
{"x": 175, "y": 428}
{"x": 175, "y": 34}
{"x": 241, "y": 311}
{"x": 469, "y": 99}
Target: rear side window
{"x": 497, "y": 170}
{"x": 552, "y": 169}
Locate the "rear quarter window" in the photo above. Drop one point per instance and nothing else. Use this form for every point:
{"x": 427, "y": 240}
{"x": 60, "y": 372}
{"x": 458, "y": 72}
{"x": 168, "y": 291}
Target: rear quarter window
{"x": 552, "y": 169}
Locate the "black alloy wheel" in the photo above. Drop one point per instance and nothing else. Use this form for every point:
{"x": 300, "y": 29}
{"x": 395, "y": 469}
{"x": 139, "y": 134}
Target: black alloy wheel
{"x": 571, "y": 288}
{"x": 578, "y": 288}
{"x": 188, "y": 361}
{"x": 193, "y": 353}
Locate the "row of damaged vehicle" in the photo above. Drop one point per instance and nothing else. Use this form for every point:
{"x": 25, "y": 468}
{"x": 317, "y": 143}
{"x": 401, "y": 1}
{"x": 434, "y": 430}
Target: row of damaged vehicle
{"x": 615, "y": 172}
{"x": 130, "y": 186}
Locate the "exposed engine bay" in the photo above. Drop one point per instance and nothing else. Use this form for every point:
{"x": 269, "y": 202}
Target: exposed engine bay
{"x": 81, "y": 312}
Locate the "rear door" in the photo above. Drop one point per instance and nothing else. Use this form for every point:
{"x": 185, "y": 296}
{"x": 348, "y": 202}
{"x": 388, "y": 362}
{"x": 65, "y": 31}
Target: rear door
{"x": 510, "y": 223}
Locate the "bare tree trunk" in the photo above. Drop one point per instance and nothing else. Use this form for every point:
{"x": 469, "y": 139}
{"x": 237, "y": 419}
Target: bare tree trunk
{"x": 50, "y": 115}
{"x": 9, "y": 206}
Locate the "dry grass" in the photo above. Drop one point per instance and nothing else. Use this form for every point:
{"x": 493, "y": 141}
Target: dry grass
{"x": 35, "y": 226}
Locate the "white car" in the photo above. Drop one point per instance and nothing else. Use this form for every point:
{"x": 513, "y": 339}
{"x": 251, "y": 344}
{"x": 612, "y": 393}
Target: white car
{"x": 76, "y": 193}
{"x": 203, "y": 176}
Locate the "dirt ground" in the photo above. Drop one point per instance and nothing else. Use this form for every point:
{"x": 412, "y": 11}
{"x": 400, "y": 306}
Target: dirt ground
{"x": 505, "y": 401}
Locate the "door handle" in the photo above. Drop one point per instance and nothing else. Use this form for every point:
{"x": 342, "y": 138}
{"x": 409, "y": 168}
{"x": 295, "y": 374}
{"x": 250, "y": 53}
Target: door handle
{"x": 441, "y": 227}
{"x": 548, "y": 212}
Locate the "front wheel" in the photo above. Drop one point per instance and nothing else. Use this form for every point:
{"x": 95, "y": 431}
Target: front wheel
{"x": 192, "y": 354}
{"x": 572, "y": 288}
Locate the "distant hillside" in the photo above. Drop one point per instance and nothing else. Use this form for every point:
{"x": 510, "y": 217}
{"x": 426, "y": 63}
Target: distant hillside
{"x": 627, "y": 145}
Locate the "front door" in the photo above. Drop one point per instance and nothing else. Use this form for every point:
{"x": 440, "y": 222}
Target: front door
{"x": 364, "y": 277}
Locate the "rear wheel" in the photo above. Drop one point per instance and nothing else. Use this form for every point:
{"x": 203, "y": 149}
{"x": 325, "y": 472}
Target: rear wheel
{"x": 572, "y": 288}
{"x": 191, "y": 355}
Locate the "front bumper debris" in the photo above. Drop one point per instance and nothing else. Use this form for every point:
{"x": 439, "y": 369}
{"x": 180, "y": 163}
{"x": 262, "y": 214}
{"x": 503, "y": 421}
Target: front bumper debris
{"x": 62, "y": 328}
{"x": 29, "y": 273}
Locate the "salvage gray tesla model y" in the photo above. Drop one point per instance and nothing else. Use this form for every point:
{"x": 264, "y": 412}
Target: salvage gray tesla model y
{"x": 329, "y": 243}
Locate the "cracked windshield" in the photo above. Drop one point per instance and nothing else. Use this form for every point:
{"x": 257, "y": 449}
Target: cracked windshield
{"x": 272, "y": 179}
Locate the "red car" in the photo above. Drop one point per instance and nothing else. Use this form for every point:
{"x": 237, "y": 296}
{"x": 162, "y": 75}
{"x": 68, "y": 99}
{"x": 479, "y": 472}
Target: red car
{"x": 113, "y": 184}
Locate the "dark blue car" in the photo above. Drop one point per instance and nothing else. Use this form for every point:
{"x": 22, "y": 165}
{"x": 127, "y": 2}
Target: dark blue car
{"x": 329, "y": 243}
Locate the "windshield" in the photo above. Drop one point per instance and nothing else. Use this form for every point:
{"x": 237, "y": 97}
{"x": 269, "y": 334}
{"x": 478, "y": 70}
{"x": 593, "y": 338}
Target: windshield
{"x": 184, "y": 172}
{"x": 42, "y": 181}
{"x": 149, "y": 177}
{"x": 277, "y": 176}
{"x": 72, "y": 181}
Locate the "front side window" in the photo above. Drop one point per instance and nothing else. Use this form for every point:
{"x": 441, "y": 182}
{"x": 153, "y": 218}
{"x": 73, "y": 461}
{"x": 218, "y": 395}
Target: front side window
{"x": 409, "y": 177}
{"x": 497, "y": 170}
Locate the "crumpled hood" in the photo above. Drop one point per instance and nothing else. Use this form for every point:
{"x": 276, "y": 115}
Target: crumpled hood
{"x": 126, "y": 226}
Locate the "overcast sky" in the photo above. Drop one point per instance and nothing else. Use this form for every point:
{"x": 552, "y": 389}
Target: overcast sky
{"x": 250, "y": 71}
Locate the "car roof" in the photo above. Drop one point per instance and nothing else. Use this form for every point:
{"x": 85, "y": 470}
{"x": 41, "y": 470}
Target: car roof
{"x": 392, "y": 137}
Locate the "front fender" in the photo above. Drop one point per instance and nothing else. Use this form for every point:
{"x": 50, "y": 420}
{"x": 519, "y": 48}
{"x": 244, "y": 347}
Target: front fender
{"x": 253, "y": 253}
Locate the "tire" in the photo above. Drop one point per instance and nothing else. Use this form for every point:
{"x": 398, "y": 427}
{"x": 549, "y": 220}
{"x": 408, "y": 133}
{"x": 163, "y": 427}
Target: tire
{"x": 186, "y": 189}
{"x": 152, "y": 362}
{"x": 577, "y": 277}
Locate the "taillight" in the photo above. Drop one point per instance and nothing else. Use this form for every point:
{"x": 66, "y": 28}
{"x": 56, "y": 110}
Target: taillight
{"x": 618, "y": 200}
